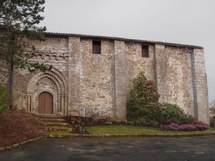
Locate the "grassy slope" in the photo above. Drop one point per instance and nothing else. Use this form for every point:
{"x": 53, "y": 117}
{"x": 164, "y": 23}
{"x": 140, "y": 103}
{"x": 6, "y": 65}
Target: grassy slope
{"x": 138, "y": 130}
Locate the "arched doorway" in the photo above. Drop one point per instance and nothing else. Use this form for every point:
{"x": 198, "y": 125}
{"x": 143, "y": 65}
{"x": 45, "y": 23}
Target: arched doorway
{"x": 53, "y": 82}
{"x": 45, "y": 103}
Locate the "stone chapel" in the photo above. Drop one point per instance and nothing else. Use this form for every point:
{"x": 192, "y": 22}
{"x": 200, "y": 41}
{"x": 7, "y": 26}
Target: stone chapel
{"x": 92, "y": 75}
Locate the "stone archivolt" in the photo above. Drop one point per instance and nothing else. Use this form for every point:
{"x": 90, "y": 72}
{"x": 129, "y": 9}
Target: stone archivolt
{"x": 49, "y": 81}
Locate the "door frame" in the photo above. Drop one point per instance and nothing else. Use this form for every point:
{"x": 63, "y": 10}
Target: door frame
{"x": 51, "y": 99}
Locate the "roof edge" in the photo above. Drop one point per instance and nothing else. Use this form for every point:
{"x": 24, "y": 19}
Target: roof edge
{"x": 57, "y": 34}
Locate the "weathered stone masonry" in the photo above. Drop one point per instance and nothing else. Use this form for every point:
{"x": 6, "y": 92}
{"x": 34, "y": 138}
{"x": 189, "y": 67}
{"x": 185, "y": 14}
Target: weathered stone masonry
{"x": 87, "y": 84}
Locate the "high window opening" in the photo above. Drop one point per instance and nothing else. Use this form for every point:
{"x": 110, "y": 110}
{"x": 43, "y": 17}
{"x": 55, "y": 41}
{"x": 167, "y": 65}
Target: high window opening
{"x": 96, "y": 47}
{"x": 145, "y": 51}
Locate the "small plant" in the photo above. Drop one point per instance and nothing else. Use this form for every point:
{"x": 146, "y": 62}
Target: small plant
{"x": 77, "y": 123}
{"x": 212, "y": 122}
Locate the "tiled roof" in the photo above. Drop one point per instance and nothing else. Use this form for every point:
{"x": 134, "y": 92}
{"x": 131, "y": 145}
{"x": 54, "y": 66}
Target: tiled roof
{"x": 55, "y": 34}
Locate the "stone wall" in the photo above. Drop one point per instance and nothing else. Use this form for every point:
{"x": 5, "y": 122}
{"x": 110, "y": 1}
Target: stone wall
{"x": 87, "y": 84}
{"x": 120, "y": 68}
{"x": 200, "y": 86}
{"x": 28, "y": 86}
{"x": 96, "y": 82}
{"x": 74, "y": 73}
{"x": 174, "y": 76}
{"x": 181, "y": 79}
{"x": 136, "y": 63}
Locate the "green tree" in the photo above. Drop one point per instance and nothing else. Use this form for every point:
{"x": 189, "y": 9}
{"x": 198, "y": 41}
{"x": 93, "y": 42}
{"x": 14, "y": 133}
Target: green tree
{"x": 3, "y": 99}
{"x": 143, "y": 104}
{"x": 19, "y": 21}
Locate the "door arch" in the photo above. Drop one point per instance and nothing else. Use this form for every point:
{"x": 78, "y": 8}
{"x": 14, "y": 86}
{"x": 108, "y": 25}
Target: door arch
{"x": 45, "y": 103}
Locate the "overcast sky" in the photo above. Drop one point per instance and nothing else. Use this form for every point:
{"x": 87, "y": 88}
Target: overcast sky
{"x": 178, "y": 21}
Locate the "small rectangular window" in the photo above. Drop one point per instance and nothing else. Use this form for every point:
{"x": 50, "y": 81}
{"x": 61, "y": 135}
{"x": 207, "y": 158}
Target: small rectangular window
{"x": 145, "y": 51}
{"x": 96, "y": 47}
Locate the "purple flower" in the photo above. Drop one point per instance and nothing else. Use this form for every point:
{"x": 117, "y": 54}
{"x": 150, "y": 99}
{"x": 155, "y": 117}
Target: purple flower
{"x": 187, "y": 127}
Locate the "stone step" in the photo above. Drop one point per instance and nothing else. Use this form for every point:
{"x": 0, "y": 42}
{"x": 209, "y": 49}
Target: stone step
{"x": 64, "y": 124}
{"x": 59, "y": 134}
{"x": 55, "y": 126}
{"x": 58, "y": 128}
{"x": 49, "y": 116}
{"x": 52, "y": 119}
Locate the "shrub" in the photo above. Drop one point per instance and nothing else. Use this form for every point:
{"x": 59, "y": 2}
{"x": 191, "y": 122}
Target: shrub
{"x": 171, "y": 113}
{"x": 3, "y": 99}
{"x": 143, "y": 108}
{"x": 212, "y": 122}
{"x": 77, "y": 123}
{"x": 187, "y": 127}
{"x": 142, "y": 105}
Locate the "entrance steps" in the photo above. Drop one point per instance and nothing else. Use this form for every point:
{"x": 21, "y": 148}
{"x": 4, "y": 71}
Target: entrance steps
{"x": 55, "y": 126}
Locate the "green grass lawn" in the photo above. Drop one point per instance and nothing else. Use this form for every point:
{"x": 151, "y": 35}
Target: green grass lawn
{"x": 139, "y": 130}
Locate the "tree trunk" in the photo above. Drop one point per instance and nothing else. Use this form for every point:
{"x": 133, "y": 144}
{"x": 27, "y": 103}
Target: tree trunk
{"x": 10, "y": 85}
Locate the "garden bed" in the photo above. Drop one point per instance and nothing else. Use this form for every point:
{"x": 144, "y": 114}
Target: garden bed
{"x": 140, "y": 130}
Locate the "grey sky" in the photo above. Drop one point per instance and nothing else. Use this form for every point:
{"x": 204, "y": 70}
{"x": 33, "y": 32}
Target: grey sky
{"x": 178, "y": 21}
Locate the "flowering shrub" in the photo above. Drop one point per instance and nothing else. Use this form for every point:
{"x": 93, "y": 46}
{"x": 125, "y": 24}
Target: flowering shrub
{"x": 142, "y": 105}
{"x": 187, "y": 127}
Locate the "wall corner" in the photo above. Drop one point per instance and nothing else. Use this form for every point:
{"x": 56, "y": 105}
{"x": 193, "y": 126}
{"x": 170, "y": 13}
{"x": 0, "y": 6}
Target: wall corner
{"x": 200, "y": 86}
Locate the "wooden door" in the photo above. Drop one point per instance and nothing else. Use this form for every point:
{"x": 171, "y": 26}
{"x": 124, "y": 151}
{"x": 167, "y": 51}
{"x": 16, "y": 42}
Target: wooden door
{"x": 45, "y": 103}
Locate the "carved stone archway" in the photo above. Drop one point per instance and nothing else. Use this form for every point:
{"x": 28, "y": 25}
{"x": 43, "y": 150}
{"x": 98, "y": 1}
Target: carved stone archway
{"x": 52, "y": 82}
